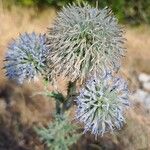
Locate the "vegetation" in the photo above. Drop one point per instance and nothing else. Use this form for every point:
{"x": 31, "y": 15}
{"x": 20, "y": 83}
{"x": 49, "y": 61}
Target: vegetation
{"x": 59, "y": 135}
{"x": 21, "y": 112}
{"x": 81, "y": 45}
{"x": 132, "y": 12}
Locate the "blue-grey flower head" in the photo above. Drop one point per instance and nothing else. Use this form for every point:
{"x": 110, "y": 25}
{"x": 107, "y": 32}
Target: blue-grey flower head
{"x": 85, "y": 40}
{"x": 101, "y": 104}
{"x": 26, "y": 57}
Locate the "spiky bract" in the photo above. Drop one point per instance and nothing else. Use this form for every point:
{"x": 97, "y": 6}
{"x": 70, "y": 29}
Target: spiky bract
{"x": 60, "y": 134}
{"x": 85, "y": 40}
{"x": 26, "y": 57}
{"x": 101, "y": 104}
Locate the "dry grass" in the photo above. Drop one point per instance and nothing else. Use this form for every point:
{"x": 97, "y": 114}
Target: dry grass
{"x": 138, "y": 45}
{"x": 18, "y": 107}
{"x": 136, "y": 134}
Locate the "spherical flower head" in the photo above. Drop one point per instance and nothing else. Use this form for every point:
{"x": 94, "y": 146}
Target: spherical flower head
{"x": 26, "y": 57}
{"x": 85, "y": 40}
{"x": 101, "y": 104}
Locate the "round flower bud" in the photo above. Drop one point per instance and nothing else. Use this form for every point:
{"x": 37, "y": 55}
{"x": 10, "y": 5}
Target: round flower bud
{"x": 26, "y": 57}
{"x": 101, "y": 104}
{"x": 85, "y": 40}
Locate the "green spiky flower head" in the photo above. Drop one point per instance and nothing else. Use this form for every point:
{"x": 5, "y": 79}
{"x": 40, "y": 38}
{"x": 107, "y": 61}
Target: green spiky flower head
{"x": 85, "y": 40}
{"x": 101, "y": 104}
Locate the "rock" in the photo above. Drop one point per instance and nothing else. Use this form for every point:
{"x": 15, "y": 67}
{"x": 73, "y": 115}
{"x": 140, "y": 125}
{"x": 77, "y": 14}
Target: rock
{"x": 146, "y": 86}
{"x": 139, "y": 95}
{"x": 142, "y": 97}
{"x": 143, "y": 77}
{"x": 146, "y": 102}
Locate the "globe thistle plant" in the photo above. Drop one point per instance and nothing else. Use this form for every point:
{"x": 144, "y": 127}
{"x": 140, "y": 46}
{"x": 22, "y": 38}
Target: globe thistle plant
{"x": 26, "y": 57}
{"x": 101, "y": 104}
{"x": 85, "y": 40}
{"x": 84, "y": 43}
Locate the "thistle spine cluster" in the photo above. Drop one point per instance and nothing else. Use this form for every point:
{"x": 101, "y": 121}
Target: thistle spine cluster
{"x": 85, "y": 40}
{"x": 26, "y": 57}
{"x": 101, "y": 104}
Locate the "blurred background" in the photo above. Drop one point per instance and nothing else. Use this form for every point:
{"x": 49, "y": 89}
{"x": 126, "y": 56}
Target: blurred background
{"x": 19, "y": 112}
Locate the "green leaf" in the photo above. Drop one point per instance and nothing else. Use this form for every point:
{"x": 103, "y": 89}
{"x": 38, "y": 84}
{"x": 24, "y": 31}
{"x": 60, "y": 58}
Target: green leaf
{"x": 60, "y": 134}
